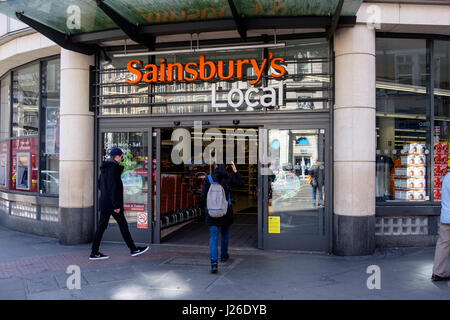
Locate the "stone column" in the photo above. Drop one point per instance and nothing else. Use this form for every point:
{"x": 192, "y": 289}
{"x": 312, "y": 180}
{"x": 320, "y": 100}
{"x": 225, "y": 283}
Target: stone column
{"x": 76, "y": 165}
{"x": 354, "y": 141}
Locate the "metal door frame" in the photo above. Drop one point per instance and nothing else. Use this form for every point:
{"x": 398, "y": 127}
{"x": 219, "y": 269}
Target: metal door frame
{"x": 156, "y": 222}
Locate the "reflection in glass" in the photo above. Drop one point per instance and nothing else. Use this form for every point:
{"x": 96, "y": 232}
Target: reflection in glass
{"x": 26, "y": 101}
{"x": 297, "y": 180}
{"x": 308, "y": 82}
{"x": 5, "y": 107}
{"x": 49, "y": 159}
{"x": 3, "y": 170}
{"x": 441, "y": 113}
{"x": 134, "y": 177}
{"x": 403, "y": 124}
{"x": 119, "y": 97}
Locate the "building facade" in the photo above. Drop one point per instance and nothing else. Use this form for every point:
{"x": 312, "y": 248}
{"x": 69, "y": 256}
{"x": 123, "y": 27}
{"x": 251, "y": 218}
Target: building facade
{"x": 336, "y": 118}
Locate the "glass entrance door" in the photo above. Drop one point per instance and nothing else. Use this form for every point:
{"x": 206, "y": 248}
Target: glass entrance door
{"x": 294, "y": 170}
{"x": 135, "y": 179}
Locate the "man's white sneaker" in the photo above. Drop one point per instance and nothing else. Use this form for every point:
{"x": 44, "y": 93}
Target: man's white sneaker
{"x": 139, "y": 251}
{"x": 98, "y": 256}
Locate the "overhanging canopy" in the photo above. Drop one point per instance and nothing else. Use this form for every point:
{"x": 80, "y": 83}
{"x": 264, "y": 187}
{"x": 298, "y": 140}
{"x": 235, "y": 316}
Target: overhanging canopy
{"x": 85, "y": 22}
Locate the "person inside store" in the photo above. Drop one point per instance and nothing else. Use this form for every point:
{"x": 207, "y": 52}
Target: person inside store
{"x": 317, "y": 181}
{"x": 226, "y": 180}
{"x": 111, "y": 203}
{"x": 443, "y": 243}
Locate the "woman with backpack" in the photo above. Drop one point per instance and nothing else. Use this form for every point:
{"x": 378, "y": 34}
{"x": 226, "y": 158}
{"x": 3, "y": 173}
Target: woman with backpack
{"x": 219, "y": 212}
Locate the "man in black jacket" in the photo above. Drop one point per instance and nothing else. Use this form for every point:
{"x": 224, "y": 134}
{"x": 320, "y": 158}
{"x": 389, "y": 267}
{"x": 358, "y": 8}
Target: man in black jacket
{"x": 226, "y": 180}
{"x": 111, "y": 203}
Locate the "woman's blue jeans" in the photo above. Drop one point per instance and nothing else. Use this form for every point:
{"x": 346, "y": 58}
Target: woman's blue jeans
{"x": 314, "y": 193}
{"x": 214, "y": 243}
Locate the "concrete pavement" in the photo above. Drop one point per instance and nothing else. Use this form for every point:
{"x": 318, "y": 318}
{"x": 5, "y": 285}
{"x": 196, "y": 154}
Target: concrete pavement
{"x": 33, "y": 267}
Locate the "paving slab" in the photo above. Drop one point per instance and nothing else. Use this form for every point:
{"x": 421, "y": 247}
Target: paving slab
{"x": 12, "y": 289}
{"x": 33, "y": 267}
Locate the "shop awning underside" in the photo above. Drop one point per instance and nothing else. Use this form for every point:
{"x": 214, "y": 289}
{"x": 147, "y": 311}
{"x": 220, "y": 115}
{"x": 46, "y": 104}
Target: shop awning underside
{"x": 80, "y": 25}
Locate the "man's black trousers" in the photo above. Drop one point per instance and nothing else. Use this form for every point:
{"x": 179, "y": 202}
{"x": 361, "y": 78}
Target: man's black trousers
{"x": 103, "y": 224}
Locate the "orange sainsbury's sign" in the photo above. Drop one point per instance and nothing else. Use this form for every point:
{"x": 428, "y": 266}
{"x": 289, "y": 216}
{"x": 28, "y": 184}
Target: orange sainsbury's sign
{"x": 192, "y": 71}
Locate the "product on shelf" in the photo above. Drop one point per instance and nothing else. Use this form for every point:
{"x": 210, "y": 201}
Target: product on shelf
{"x": 414, "y": 148}
{"x": 410, "y": 171}
{"x": 410, "y": 183}
{"x": 448, "y": 163}
{"x": 410, "y": 195}
{"x": 441, "y": 148}
{"x": 437, "y": 194}
{"x": 441, "y": 163}
{"x": 412, "y": 160}
{"x": 409, "y": 177}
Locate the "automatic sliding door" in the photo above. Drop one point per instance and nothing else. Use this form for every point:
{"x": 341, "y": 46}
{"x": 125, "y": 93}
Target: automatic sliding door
{"x": 135, "y": 182}
{"x": 295, "y": 189}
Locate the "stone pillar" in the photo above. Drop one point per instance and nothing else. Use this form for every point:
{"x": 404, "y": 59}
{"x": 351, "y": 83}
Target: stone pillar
{"x": 76, "y": 165}
{"x": 354, "y": 141}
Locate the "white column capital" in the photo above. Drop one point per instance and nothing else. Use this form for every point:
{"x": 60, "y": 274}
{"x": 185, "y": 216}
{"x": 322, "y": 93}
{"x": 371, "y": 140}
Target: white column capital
{"x": 75, "y": 60}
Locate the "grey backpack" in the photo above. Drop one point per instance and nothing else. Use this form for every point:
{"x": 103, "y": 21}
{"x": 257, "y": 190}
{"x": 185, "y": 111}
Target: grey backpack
{"x": 216, "y": 200}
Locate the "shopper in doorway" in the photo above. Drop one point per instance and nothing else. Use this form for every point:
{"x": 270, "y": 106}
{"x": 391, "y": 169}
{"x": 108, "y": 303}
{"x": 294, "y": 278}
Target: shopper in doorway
{"x": 317, "y": 181}
{"x": 111, "y": 203}
{"x": 226, "y": 180}
{"x": 443, "y": 242}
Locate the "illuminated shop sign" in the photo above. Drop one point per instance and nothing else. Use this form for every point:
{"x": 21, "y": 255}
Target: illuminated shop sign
{"x": 207, "y": 70}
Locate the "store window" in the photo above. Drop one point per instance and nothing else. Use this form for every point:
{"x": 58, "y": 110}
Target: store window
{"x": 5, "y": 119}
{"x": 49, "y": 157}
{"x": 116, "y": 95}
{"x": 4, "y": 164}
{"x": 25, "y": 129}
{"x": 26, "y": 101}
{"x": 403, "y": 153}
{"x": 29, "y": 137}
{"x": 308, "y": 80}
{"x": 306, "y": 83}
{"x": 441, "y": 61}
{"x": 5, "y": 107}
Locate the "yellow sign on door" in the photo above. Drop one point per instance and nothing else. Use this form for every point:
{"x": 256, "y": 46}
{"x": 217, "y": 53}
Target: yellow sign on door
{"x": 274, "y": 224}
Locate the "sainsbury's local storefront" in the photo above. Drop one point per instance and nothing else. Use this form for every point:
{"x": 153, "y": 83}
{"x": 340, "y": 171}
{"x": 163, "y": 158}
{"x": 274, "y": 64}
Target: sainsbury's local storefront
{"x": 277, "y": 89}
{"x": 183, "y": 107}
